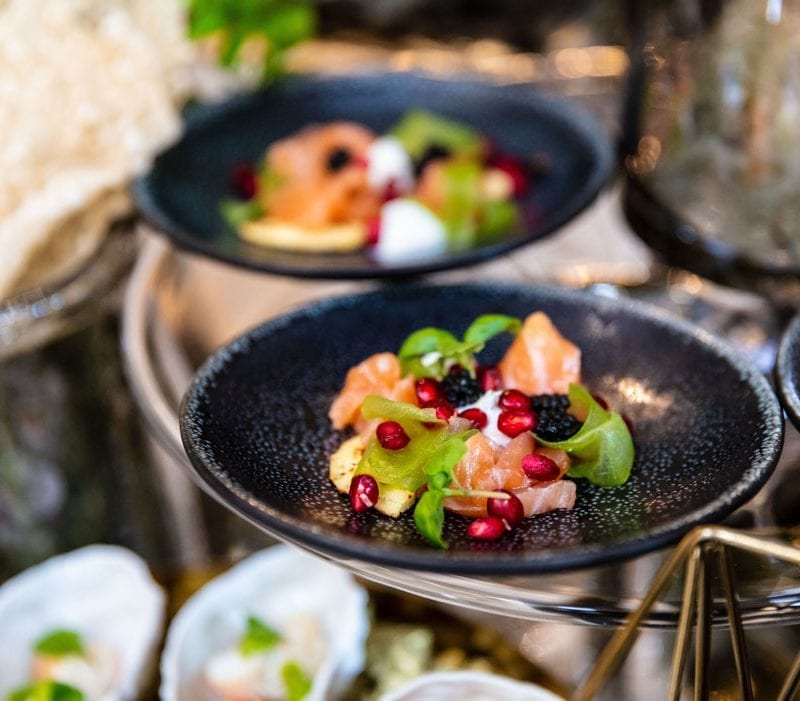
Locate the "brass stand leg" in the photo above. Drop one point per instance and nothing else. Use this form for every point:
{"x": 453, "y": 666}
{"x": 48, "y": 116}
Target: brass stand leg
{"x": 697, "y": 549}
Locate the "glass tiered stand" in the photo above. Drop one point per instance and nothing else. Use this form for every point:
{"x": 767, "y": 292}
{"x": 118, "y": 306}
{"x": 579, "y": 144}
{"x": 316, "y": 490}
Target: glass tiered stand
{"x": 561, "y": 621}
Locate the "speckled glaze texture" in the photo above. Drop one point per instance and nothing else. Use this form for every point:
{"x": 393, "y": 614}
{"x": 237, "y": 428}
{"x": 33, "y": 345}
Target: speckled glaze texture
{"x": 787, "y": 371}
{"x": 255, "y": 426}
{"x": 180, "y": 196}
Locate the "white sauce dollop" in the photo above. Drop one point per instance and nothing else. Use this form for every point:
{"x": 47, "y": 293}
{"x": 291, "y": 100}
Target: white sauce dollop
{"x": 388, "y": 161}
{"x": 488, "y": 405}
{"x": 409, "y": 232}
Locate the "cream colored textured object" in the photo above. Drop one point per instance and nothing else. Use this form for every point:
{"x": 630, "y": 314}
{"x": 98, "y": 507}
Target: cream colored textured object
{"x": 88, "y": 93}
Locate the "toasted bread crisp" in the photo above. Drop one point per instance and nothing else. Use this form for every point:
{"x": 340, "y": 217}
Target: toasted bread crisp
{"x": 391, "y": 500}
{"x": 291, "y": 237}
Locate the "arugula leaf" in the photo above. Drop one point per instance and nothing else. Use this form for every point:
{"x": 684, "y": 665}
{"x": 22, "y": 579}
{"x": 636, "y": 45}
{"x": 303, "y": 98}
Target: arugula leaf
{"x": 258, "y": 637}
{"x": 462, "y": 200}
{"x": 602, "y": 450}
{"x": 59, "y": 643}
{"x": 46, "y": 690}
{"x": 296, "y": 681}
{"x": 430, "y": 351}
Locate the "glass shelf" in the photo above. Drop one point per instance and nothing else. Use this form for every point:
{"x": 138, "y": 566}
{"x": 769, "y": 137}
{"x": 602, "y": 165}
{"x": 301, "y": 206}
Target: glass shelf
{"x": 168, "y": 331}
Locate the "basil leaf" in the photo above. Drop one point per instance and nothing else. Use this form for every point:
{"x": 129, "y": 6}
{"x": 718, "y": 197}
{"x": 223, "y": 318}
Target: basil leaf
{"x": 425, "y": 351}
{"x": 429, "y": 516}
{"x": 296, "y": 681}
{"x": 602, "y": 450}
{"x": 59, "y": 643}
{"x": 46, "y": 691}
{"x": 258, "y": 637}
{"x": 488, "y": 326}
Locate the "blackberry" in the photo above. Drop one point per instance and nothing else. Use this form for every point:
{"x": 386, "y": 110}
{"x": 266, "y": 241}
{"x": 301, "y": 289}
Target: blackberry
{"x": 460, "y": 388}
{"x": 337, "y": 159}
{"x": 555, "y": 424}
{"x": 549, "y": 401}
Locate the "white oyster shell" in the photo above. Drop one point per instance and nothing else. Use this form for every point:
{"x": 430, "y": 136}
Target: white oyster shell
{"x": 475, "y": 686}
{"x": 274, "y": 585}
{"x": 103, "y": 592}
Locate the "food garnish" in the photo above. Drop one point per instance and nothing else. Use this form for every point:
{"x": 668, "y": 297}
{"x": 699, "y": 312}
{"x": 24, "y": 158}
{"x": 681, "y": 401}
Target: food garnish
{"x": 46, "y": 691}
{"x": 428, "y": 186}
{"x": 438, "y": 431}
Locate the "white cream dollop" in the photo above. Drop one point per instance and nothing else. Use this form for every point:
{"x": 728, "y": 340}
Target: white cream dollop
{"x": 487, "y": 403}
{"x": 409, "y": 232}
{"x": 388, "y": 162}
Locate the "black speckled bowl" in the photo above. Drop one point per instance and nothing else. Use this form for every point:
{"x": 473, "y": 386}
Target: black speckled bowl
{"x": 787, "y": 371}
{"x": 255, "y": 426}
{"x": 181, "y": 194}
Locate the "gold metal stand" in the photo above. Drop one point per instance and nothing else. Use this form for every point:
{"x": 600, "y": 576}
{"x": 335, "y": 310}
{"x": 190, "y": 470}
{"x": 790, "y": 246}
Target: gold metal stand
{"x": 700, "y": 549}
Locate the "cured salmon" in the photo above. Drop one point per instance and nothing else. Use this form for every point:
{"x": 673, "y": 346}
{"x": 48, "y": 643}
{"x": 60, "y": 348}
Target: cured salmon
{"x": 379, "y": 374}
{"x": 540, "y": 360}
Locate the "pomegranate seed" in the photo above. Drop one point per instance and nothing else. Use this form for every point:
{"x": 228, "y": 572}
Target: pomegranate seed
{"x": 513, "y": 422}
{"x": 510, "y": 511}
{"x": 475, "y": 416}
{"x": 514, "y": 399}
{"x": 391, "y": 192}
{"x": 540, "y": 468}
{"x": 486, "y": 528}
{"x": 515, "y": 170}
{"x": 363, "y": 493}
{"x": 455, "y": 368}
{"x": 373, "y": 231}
{"x": 444, "y": 409}
{"x": 601, "y": 401}
{"x": 428, "y": 390}
{"x": 245, "y": 182}
{"x": 391, "y": 435}
{"x": 489, "y": 377}
{"x": 360, "y": 161}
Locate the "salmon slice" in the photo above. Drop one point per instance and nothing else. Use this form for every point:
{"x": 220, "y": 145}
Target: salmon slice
{"x": 476, "y": 470}
{"x": 303, "y": 189}
{"x": 541, "y": 360}
{"x": 546, "y": 496}
{"x": 379, "y": 374}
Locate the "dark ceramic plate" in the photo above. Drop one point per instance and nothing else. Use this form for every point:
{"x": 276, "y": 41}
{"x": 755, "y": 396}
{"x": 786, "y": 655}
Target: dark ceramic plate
{"x": 787, "y": 370}
{"x": 181, "y": 194}
{"x": 255, "y": 426}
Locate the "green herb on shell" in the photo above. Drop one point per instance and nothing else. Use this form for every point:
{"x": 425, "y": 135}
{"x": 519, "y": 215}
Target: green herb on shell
{"x": 296, "y": 681}
{"x": 46, "y": 691}
{"x": 58, "y": 643}
{"x": 258, "y": 637}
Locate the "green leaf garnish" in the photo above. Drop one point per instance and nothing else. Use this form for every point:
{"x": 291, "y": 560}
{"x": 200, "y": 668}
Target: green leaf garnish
{"x": 430, "y": 352}
{"x": 258, "y": 637}
{"x": 59, "y": 643}
{"x": 418, "y": 130}
{"x": 602, "y": 450}
{"x": 296, "y": 681}
{"x": 429, "y": 516}
{"x": 280, "y": 23}
{"x": 462, "y": 201}
{"x": 46, "y": 691}
{"x": 237, "y": 212}
{"x": 487, "y": 326}
{"x": 496, "y": 217}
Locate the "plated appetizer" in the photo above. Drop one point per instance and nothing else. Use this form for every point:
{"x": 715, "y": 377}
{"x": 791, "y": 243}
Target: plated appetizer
{"x": 80, "y": 627}
{"x": 279, "y": 626}
{"x": 436, "y": 430}
{"x": 428, "y": 186}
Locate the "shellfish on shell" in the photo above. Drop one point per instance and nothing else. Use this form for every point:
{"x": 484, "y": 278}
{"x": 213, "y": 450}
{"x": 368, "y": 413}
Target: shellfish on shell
{"x": 313, "y": 612}
{"x": 100, "y": 595}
